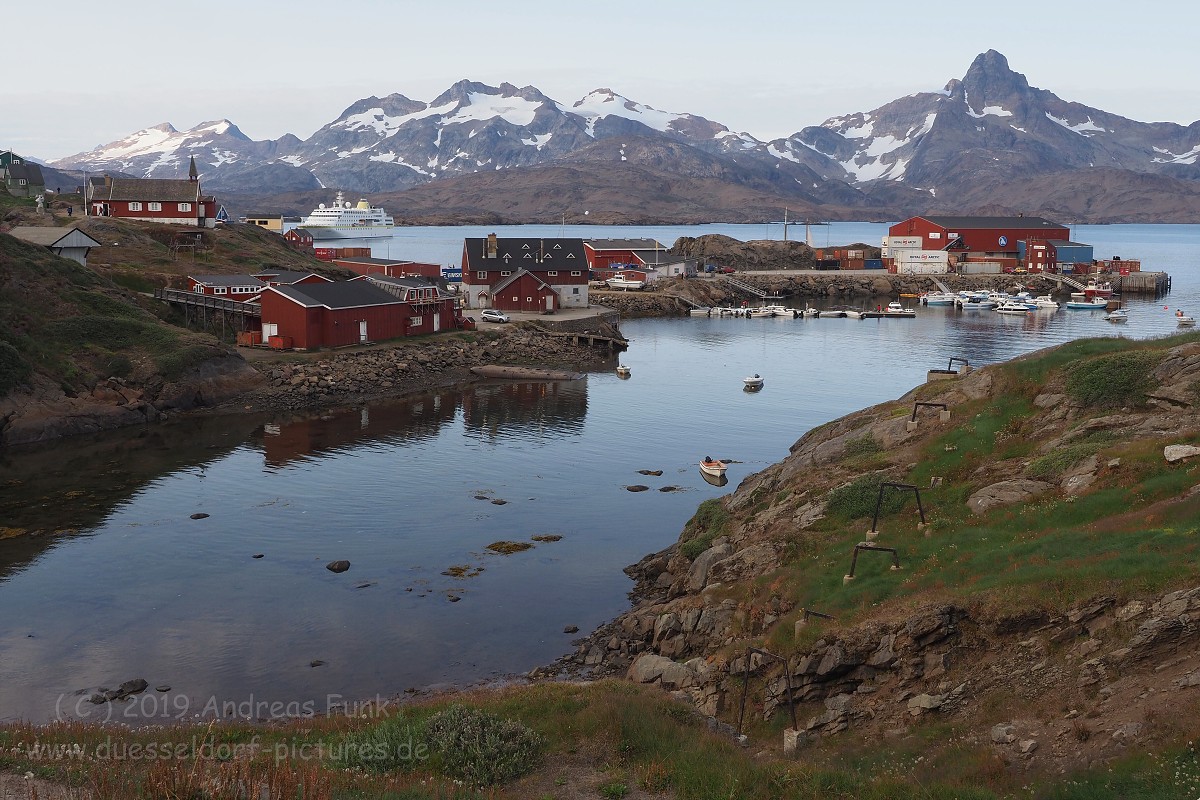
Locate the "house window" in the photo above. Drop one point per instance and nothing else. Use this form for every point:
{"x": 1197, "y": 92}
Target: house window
{"x": 218, "y": 290}
{"x": 481, "y": 275}
{"x": 188, "y": 207}
{"x": 575, "y": 290}
{"x": 552, "y": 273}
{"x": 154, "y": 206}
{"x": 516, "y": 299}
{"x": 575, "y": 273}
{"x": 135, "y": 206}
{"x": 505, "y": 274}
{"x": 414, "y": 322}
{"x": 198, "y": 289}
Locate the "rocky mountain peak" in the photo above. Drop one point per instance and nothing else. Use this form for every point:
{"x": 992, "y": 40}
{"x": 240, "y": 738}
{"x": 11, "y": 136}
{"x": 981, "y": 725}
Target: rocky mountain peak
{"x": 989, "y": 81}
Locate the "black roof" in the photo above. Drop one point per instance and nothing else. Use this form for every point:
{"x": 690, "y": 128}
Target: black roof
{"x": 228, "y": 280}
{"x": 988, "y": 223}
{"x": 1065, "y": 243}
{"x": 31, "y": 173}
{"x": 532, "y": 255}
{"x": 624, "y": 244}
{"x": 339, "y": 294}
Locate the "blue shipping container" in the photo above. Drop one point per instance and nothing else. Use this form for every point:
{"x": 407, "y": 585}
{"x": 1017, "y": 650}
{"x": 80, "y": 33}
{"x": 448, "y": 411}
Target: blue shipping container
{"x": 873, "y": 263}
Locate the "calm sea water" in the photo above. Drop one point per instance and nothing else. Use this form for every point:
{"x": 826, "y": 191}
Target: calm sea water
{"x": 134, "y": 587}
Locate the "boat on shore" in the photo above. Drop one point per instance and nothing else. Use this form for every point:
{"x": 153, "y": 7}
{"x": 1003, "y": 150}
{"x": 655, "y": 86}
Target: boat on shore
{"x": 712, "y": 466}
{"x": 619, "y": 281}
{"x": 344, "y": 220}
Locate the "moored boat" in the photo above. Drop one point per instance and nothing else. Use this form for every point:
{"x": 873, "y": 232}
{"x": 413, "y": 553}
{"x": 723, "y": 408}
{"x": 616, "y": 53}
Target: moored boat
{"x": 1087, "y": 305}
{"x": 1012, "y": 307}
{"x": 712, "y": 466}
{"x": 939, "y": 298}
{"x": 1117, "y": 315}
{"x": 623, "y": 371}
{"x": 1183, "y": 320}
{"x": 754, "y": 382}
{"x": 895, "y": 309}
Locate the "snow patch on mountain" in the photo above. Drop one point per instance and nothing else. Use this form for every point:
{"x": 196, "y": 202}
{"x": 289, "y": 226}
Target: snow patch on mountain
{"x": 990, "y": 111}
{"x": 374, "y": 119}
{"x": 605, "y": 103}
{"x": 1187, "y": 158}
{"x": 482, "y": 107}
{"x": 1082, "y": 128}
{"x": 538, "y": 140}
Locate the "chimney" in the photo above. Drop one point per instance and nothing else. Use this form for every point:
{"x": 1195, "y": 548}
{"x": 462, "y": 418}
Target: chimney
{"x": 492, "y": 247}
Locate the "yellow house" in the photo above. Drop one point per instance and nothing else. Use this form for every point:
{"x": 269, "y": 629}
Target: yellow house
{"x": 272, "y": 222}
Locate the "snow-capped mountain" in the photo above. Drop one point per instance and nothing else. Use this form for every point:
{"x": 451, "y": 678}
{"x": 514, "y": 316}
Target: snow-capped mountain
{"x": 987, "y": 129}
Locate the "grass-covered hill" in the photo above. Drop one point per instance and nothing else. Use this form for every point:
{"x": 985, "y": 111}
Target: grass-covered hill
{"x": 1039, "y": 638}
{"x": 85, "y": 348}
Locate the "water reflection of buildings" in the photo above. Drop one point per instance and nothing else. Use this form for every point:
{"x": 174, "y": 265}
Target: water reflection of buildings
{"x": 413, "y": 419}
{"x": 525, "y": 409}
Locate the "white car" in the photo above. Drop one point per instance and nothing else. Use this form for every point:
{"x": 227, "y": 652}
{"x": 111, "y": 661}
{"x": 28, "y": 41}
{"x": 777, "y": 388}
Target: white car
{"x": 492, "y": 315}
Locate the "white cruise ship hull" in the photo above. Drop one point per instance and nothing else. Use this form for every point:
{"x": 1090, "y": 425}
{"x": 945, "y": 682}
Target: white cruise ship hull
{"x": 323, "y": 232}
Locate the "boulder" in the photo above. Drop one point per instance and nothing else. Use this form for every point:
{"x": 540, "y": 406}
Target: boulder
{"x": 1017, "y": 490}
{"x": 1178, "y": 452}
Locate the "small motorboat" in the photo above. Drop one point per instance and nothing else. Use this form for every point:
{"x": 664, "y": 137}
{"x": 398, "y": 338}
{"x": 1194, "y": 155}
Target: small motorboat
{"x": 895, "y": 309}
{"x": 712, "y": 466}
{"x": 753, "y": 383}
{"x": 622, "y": 371}
{"x": 1117, "y": 315}
{"x": 1074, "y": 304}
{"x": 1012, "y": 307}
{"x": 1183, "y": 320}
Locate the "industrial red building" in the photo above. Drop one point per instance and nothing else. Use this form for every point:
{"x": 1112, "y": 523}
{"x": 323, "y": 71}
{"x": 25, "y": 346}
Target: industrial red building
{"x": 978, "y": 236}
{"x": 351, "y": 312}
{"x": 230, "y": 287}
{"x": 525, "y": 291}
{"x": 383, "y": 266}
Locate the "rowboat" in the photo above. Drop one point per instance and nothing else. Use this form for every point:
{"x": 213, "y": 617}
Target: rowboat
{"x": 712, "y": 466}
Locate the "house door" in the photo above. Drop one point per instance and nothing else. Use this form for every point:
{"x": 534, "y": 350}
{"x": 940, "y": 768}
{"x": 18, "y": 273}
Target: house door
{"x": 270, "y": 329}
{"x": 437, "y": 321}
{"x": 549, "y": 304}
{"x": 362, "y": 330}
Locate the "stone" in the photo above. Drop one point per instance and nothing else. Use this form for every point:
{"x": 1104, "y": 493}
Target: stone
{"x": 1018, "y": 490}
{"x": 199, "y": 516}
{"x": 637, "y": 487}
{"x": 925, "y": 702}
{"x": 338, "y": 566}
{"x": 257, "y": 555}
{"x": 1178, "y": 452}
{"x": 1028, "y": 746}
{"x": 571, "y": 629}
{"x": 791, "y": 741}
{"x": 1003, "y": 734}
{"x": 648, "y": 667}
{"x": 698, "y": 574}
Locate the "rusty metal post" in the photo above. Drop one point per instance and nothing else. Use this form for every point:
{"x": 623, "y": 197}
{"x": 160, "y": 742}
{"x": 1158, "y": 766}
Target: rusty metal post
{"x": 787, "y": 678}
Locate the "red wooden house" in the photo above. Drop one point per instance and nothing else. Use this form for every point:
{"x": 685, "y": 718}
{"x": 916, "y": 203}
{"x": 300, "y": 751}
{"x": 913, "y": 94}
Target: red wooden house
{"x": 243, "y": 288}
{"x": 525, "y": 291}
{"x": 177, "y": 202}
{"x": 560, "y": 264}
{"x": 430, "y": 308}
{"x": 300, "y": 239}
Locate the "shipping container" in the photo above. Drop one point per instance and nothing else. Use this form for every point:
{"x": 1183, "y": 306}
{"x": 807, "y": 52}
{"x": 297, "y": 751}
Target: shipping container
{"x": 853, "y": 263}
{"x": 873, "y": 263}
{"x": 325, "y": 253}
{"x": 249, "y": 338}
{"x": 829, "y": 263}
{"x": 280, "y": 342}
{"x": 980, "y": 268}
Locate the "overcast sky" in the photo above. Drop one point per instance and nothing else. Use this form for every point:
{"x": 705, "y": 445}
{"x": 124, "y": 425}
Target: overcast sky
{"x": 80, "y": 74}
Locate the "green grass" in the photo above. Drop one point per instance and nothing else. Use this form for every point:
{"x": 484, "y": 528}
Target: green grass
{"x": 710, "y": 522}
{"x": 1113, "y": 380}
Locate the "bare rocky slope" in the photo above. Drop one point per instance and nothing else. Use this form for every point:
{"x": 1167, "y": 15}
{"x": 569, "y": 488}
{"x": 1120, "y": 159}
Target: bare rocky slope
{"x": 1054, "y": 664}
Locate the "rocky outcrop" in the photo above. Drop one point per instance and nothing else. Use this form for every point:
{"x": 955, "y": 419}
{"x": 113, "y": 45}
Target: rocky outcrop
{"x": 43, "y": 411}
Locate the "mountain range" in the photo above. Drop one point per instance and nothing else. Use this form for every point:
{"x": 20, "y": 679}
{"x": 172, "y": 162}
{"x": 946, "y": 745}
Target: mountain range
{"x": 988, "y": 143}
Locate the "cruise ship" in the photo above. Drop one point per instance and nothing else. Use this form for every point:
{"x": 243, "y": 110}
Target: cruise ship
{"x": 345, "y": 221}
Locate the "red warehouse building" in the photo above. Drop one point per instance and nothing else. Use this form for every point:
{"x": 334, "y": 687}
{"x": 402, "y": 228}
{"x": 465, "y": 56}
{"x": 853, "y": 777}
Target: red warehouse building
{"x": 560, "y": 264}
{"x": 383, "y": 266}
{"x": 436, "y": 309}
{"x": 978, "y": 236}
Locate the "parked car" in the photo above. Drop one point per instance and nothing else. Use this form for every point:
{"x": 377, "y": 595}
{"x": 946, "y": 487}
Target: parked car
{"x": 492, "y": 315}
{"x": 726, "y": 270}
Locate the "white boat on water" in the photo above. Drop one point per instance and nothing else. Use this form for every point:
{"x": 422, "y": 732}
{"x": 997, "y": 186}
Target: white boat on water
{"x": 712, "y": 466}
{"x": 1045, "y": 301}
{"x": 939, "y": 298}
{"x": 1117, "y": 315}
{"x": 344, "y": 220}
{"x": 760, "y": 311}
{"x": 895, "y": 309}
{"x": 831, "y": 312}
{"x": 1013, "y": 307}
{"x": 754, "y": 382}
{"x": 854, "y": 314}
{"x": 1087, "y": 305}
{"x": 1183, "y": 320}
{"x": 702, "y": 311}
